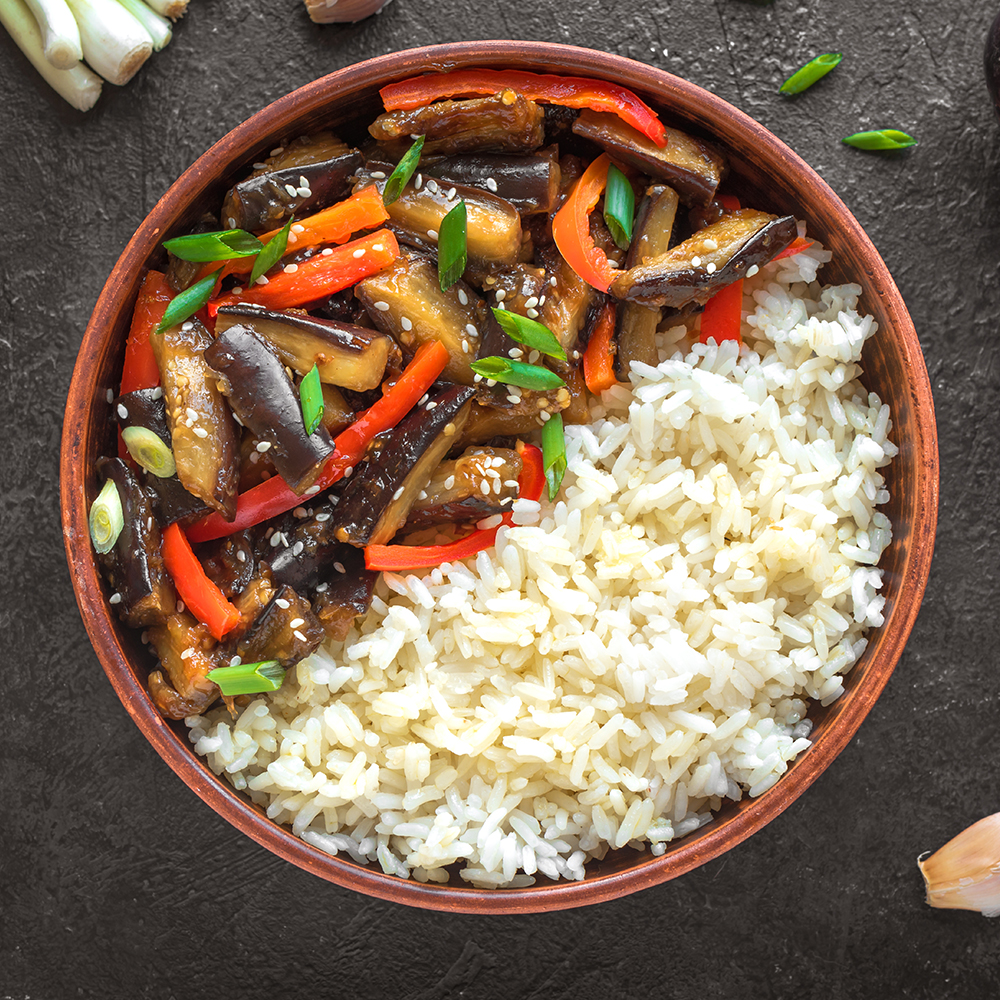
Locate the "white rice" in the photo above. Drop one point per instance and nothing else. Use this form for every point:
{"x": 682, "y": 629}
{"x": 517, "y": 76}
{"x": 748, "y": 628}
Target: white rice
{"x": 624, "y": 660}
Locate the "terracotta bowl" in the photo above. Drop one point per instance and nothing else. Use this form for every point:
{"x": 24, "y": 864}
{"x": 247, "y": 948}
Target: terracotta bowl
{"x": 768, "y": 175}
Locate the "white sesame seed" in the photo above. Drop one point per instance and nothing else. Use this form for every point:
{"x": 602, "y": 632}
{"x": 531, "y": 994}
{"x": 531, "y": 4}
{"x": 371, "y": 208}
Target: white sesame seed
{"x": 532, "y": 313}
{"x": 515, "y": 352}
{"x": 491, "y": 382}
{"x": 200, "y": 432}
{"x": 262, "y": 280}
{"x": 553, "y": 281}
{"x": 419, "y": 182}
{"x": 292, "y": 190}
{"x": 277, "y": 151}
{"x": 381, "y": 306}
{"x": 192, "y": 414}
{"x": 432, "y": 233}
{"x": 326, "y": 251}
{"x": 348, "y": 472}
{"x": 339, "y": 567}
{"x": 311, "y": 491}
{"x": 296, "y": 622}
{"x": 710, "y": 268}
{"x": 471, "y": 330}
{"x": 491, "y": 183}
{"x": 304, "y": 192}
{"x": 260, "y": 166}
{"x": 484, "y": 486}
{"x": 501, "y": 295}
{"x": 237, "y": 290}
{"x": 710, "y": 244}
{"x": 282, "y": 603}
{"x": 290, "y": 268}
{"x": 501, "y": 306}
{"x": 431, "y": 406}
{"x": 298, "y": 548}
{"x": 451, "y": 193}
{"x": 492, "y": 473}
{"x": 576, "y": 355}
{"x": 187, "y": 653}
{"x": 423, "y": 399}
{"x": 110, "y": 396}
{"x": 378, "y": 175}
{"x": 477, "y": 377}
{"x": 263, "y": 446}
{"x": 696, "y": 262}
{"x": 241, "y": 555}
{"x": 298, "y": 635}
{"x": 377, "y": 247}
{"x": 462, "y": 297}
{"x": 752, "y": 270}
{"x": 115, "y": 599}
{"x": 322, "y": 588}
{"x": 323, "y": 516}
{"x": 531, "y": 303}
{"x": 236, "y": 660}
{"x": 432, "y": 186}
{"x": 406, "y": 323}
{"x": 533, "y": 357}
{"x": 254, "y": 458}
{"x": 510, "y": 483}
{"x": 180, "y": 607}
{"x": 275, "y": 539}
{"x": 514, "y": 399}
{"x": 122, "y": 412}
{"x": 449, "y": 482}
{"x": 298, "y": 228}
{"x": 157, "y": 393}
{"x": 187, "y": 327}
{"x": 360, "y": 252}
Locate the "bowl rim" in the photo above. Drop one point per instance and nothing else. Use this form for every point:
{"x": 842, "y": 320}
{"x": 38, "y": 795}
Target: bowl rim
{"x": 231, "y": 152}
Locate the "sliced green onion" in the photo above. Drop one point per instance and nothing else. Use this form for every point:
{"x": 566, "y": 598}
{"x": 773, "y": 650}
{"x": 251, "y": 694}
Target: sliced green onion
{"x": 311, "y": 396}
{"x": 227, "y": 244}
{"x": 813, "y": 70}
{"x": 532, "y": 334}
{"x": 399, "y": 178}
{"x": 883, "y": 138}
{"x": 248, "y": 678}
{"x": 452, "y": 250}
{"x": 188, "y": 302}
{"x": 619, "y": 207}
{"x": 106, "y": 518}
{"x": 516, "y": 373}
{"x": 554, "y": 453}
{"x": 271, "y": 253}
{"x": 150, "y": 451}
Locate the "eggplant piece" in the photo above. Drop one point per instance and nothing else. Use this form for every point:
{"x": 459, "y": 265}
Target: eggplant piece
{"x": 693, "y": 271}
{"x": 230, "y": 563}
{"x": 345, "y": 355}
{"x": 479, "y": 483}
{"x": 187, "y": 652}
{"x": 502, "y": 123}
{"x": 635, "y": 330}
{"x": 286, "y": 631}
{"x": 377, "y": 498}
{"x": 519, "y": 288}
{"x": 263, "y": 397}
{"x": 134, "y": 567}
{"x": 304, "y": 553}
{"x": 343, "y": 307}
{"x": 529, "y": 183}
{"x": 203, "y": 434}
{"x": 690, "y": 165}
{"x": 295, "y": 185}
{"x": 346, "y": 595}
{"x": 337, "y": 414}
{"x": 568, "y": 302}
{"x": 494, "y": 226}
{"x": 405, "y": 300}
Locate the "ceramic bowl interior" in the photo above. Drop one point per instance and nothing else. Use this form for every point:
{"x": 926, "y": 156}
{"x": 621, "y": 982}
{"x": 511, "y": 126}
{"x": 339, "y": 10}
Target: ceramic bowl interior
{"x": 766, "y": 174}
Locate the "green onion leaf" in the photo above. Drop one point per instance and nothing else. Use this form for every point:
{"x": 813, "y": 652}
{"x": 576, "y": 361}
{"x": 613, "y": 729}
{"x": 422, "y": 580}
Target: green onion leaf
{"x": 248, "y": 678}
{"x": 452, "y": 246}
{"x": 884, "y": 138}
{"x": 526, "y": 331}
{"x": 619, "y": 207}
{"x": 188, "y": 302}
{"x": 271, "y": 253}
{"x": 150, "y": 451}
{"x": 404, "y": 171}
{"x": 554, "y": 453}
{"x": 204, "y": 247}
{"x": 516, "y": 373}
{"x": 813, "y": 70}
{"x": 311, "y": 396}
{"x": 106, "y": 518}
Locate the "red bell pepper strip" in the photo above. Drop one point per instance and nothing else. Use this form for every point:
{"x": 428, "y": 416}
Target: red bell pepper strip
{"x": 799, "y": 243}
{"x": 723, "y": 314}
{"x": 398, "y": 558}
{"x": 729, "y": 202}
{"x": 140, "y": 370}
{"x": 571, "y": 227}
{"x": 599, "y": 357}
{"x": 203, "y": 598}
{"x": 274, "y": 496}
{"x": 569, "y": 91}
{"x": 319, "y": 276}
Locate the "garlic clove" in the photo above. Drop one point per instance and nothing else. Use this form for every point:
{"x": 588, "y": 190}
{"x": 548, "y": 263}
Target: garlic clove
{"x": 339, "y": 11}
{"x": 965, "y": 873}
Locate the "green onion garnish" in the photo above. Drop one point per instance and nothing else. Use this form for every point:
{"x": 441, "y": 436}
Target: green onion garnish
{"x": 530, "y": 333}
{"x": 311, "y": 396}
{"x": 271, "y": 253}
{"x": 248, "y": 678}
{"x": 399, "y": 178}
{"x": 106, "y": 518}
{"x": 150, "y": 451}
{"x": 204, "y": 247}
{"x": 813, "y": 70}
{"x": 554, "y": 453}
{"x": 516, "y": 373}
{"x": 188, "y": 302}
{"x": 884, "y": 138}
{"x": 619, "y": 207}
{"x": 452, "y": 246}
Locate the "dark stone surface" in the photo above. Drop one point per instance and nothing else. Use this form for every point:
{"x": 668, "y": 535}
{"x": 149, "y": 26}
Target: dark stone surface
{"x": 118, "y": 882}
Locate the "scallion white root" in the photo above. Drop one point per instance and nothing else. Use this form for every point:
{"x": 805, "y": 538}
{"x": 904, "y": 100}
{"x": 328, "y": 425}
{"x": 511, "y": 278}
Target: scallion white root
{"x": 158, "y": 28}
{"x": 78, "y": 85}
{"x": 965, "y": 873}
{"x": 60, "y": 35}
{"x": 340, "y": 11}
{"x": 169, "y": 8}
{"x": 114, "y": 42}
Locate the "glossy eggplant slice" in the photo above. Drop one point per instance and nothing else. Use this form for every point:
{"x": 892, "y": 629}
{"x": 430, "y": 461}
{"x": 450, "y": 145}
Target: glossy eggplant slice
{"x": 301, "y": 555}
{"x": 134, "y": 567}
{"x": 230, "y": 563}
{"x": 405, "y": 300}
{"x": 337, "y": 413}
{"x": 502, "y": 123}
{"x": 693, "y": 271}
{"x": 635, "y": 331}
{"x": 286, "y": 631}
{"x": 377, "y": 498}
{"x": 567, "y": 302}
{"x": 268, "y": 199}
{"x": 263, "y": 397}
{"x": 690, "y": 165}
{"x": 480, "y": 482}
{"x": 186, "y": 652}
{"x": 203, "y": 434}
{"x": 495, "y": 415}
{"x": 494, "y": 226}
{"x": 346, "y": 594}
{"x": 349, "y": 356}
{"x": 529, "y": 183}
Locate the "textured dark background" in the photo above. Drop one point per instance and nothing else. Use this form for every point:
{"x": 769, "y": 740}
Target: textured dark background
{"x": 118, "y": 882}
